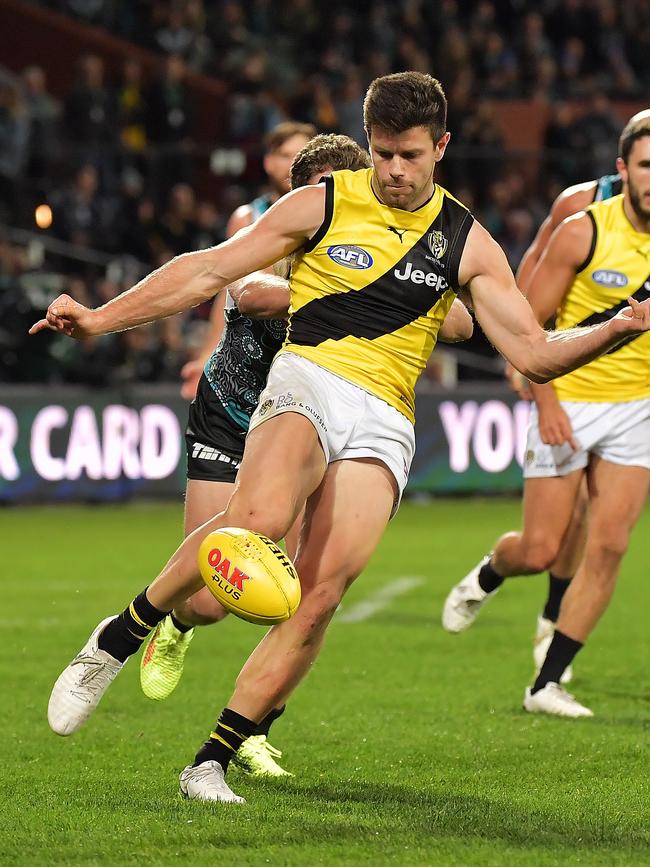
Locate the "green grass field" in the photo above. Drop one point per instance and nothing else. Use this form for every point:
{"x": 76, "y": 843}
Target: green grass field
{"x": 408, "y": 745}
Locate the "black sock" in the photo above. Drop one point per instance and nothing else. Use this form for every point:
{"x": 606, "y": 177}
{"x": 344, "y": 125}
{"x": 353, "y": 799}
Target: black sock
{"x": 269, "y": 719}
{"x": 556, "y": 589}
{"x": 123, "y": 636}
{"x": 230, "y": 732}
{"x": 488, "y": 579}
{"x": 182, "y": 627}
{"x": 560, "y": 655}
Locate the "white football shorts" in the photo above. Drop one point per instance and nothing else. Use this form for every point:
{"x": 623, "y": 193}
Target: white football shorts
{"x": 350, "y": 422}
{"x": 616, "y": 432}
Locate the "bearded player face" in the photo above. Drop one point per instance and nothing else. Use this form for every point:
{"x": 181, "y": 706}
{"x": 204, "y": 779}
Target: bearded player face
{"x": 636, "y": 175}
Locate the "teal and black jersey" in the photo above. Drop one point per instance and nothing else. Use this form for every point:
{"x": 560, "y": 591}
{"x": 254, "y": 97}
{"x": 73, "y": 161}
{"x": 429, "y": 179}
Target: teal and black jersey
{"x": 238, "y": 368}
{"x": 607, "y": 187}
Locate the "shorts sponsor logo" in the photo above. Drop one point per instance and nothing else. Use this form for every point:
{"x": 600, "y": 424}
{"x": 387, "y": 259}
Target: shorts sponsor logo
{"x": 208, "y": 453}
{"x": 350, "y": 256}
{"x": 415, "y": 275}
{"x": 609, "y": 278}
{"x": 530, "y": 456}
{"x": 230, "y": 580}
{"x": 265, "y": 407}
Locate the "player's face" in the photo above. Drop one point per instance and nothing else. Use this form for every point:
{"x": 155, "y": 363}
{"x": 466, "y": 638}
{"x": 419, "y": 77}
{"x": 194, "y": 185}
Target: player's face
{"x": 278, "y": 164}
{"x": 636, "y": 175}
{"x": 403, "y": 165}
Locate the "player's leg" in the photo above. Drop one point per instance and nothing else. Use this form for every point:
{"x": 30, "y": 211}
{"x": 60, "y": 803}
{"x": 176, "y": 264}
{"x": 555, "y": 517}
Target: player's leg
{"x": 548, "y": 505}
{"x": 559, "y": 577}
{"x": 344, "y": 521}
{"x": 617, "y": 496}
{"x": 163, "y": 657}
{"x": 283, "y": 464}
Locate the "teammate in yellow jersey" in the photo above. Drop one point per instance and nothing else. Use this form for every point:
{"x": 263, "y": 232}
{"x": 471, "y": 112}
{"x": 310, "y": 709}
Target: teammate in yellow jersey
{"x": 380, "y": 255}
{"x": 593, "y": 263}
{"x": 570, "y": 201}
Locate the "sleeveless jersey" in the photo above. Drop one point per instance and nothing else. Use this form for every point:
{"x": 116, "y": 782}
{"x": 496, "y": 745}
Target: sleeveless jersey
{"x": 371, "y": 289}
{"x": 618, "y": 265}
{"x": 238, "y": 368}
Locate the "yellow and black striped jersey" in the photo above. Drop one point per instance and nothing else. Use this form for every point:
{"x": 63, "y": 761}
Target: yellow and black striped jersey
{"x": 371, "y": 289}
{"x": 618, "y": 265}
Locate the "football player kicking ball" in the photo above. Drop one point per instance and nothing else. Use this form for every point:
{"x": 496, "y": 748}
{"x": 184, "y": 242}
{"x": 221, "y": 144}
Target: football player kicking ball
{"x": 380, "y": 254}
{"x": 598, "y": 417}
{"x": 228, "y": 392}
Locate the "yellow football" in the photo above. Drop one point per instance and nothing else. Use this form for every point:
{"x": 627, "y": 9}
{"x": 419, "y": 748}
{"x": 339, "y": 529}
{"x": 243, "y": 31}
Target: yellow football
{"x": 249, "y": 575}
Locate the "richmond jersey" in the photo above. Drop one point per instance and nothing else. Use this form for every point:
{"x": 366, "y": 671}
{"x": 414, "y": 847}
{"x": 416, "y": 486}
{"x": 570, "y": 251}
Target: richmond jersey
{"x": 618, "y": 265}
{"x": 371, "y": 289}
{"x": 238, "y": 368}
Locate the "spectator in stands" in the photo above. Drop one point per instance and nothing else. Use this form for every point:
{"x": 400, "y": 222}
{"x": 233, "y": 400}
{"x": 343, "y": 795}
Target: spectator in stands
{"x": 169, "y": 118}
{"x": 43, "y": 112}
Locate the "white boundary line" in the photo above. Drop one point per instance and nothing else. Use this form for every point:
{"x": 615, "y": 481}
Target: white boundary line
{"x": 365, "y": 609}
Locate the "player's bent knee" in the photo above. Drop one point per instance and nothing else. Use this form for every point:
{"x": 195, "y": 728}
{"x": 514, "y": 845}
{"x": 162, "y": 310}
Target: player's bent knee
{"x": 271, "y": 522}
{"x": 611, "y": 546}
{"x": 540, "y": 554}
{"x": 203, "y": 609}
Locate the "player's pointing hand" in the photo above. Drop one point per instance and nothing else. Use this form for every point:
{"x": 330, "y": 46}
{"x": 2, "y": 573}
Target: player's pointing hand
{"x": 637, "y": 315}
{"x": 67, "y": 316}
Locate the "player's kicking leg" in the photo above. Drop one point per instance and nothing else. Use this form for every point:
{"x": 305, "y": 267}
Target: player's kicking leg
{"x": 344, "y": 521}
{"x": 617, "y": 496}
{"x": 265, "y": 501}
{"x": 547, "y": 508}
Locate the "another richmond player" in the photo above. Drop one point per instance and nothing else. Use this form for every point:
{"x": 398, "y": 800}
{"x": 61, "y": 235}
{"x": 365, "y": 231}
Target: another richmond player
{"x": 593, "y": 263}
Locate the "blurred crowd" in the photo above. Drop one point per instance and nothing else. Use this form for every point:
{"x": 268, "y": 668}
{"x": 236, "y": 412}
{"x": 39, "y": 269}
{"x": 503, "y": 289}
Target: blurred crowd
{"x": 115, "y": 164}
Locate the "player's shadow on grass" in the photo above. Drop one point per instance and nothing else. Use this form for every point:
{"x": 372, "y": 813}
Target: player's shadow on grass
{"x": 436, "y": 814}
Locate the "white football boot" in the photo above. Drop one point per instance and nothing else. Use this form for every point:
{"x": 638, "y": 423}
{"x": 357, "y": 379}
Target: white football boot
{"x": 206, "y": 782}
{"x": 81, "y": 685}
{"x": 541, "y": 644}
{"x": 465, "y": 600}
{"x": 555, "y": 700}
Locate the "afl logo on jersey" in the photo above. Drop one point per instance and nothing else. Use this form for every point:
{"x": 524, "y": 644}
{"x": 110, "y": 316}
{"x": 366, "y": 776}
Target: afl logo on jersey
{"x": 350, "y": 256}
{"x": 609, "y": 278}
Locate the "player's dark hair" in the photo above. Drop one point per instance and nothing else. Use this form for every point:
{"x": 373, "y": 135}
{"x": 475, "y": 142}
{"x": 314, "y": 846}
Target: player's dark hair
{"x": 335, "y": 152}
{"x": 404, "y": 100}
{"x": 284, "y": 131}
{"x": 637, "y": 127}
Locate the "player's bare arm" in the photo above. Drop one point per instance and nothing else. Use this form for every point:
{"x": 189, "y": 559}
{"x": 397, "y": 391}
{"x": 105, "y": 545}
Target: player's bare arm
{"x": 565, "y": 252}
{"x": 570, "y": 201}
{"x": 192, "y": 278}
{"x": 509, "y": 322}
{"x": 458, "y": 324}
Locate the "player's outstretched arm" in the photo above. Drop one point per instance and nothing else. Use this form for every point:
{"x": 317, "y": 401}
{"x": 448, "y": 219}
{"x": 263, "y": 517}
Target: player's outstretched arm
{"x": 192, "y": 278}
{"x": 508, "y": 320}
{"x": 458, "y": 324}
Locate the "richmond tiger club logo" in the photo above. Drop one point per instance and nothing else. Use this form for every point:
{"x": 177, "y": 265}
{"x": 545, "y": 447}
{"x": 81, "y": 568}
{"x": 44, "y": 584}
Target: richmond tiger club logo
{"x": 437, "y": 244}
{"x": 231, "y": 581}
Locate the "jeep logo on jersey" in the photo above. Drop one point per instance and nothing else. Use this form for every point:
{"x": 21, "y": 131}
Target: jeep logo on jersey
{"x": 609, "y": 278}
{"x": 437, "y": 244}
{"x": 417, "y": 276}
{"x": 350, "y": 256}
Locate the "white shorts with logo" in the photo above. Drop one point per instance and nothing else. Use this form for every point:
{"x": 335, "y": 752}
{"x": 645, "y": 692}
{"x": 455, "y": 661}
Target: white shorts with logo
{"x": 350, "y": 422}
{"x": 616, "y": 432}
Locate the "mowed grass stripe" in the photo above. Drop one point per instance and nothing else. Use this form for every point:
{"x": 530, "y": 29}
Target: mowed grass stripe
{"x": 409, "y": 745}
{"x": 383, "y": 597}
